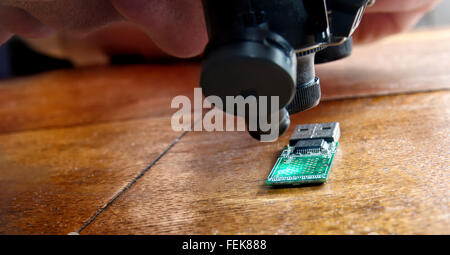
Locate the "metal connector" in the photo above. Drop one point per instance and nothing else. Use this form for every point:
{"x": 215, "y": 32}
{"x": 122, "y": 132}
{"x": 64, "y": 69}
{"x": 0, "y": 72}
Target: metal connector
{"x": 330, "y": 132}
{"x": 370, "y": 3}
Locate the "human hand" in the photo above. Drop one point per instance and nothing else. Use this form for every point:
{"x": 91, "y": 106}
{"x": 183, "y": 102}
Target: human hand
{"x": 388, "y": 17}
{"x": 177, "y": 27}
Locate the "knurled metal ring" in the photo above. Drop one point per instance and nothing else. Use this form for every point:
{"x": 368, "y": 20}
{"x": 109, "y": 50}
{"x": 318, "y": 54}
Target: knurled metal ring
{"x": 311, "y": 49}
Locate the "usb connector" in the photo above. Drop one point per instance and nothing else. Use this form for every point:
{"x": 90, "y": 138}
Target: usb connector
{"x": 330, "y": 132}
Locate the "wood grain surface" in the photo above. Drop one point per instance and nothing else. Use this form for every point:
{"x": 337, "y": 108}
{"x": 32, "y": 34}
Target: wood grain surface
{"x": 417, "y": 61}
{"x": 390, "y": 176}
{"x": 71, "y": 140}
{"x": 91, "y": 150}
{"x": 53, "y": 180}
{"x": 92, "y": 95}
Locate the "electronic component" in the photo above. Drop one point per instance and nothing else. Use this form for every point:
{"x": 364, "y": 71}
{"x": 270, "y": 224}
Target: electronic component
{"x": 330, "y": 132}
{"x": 308, "y": 156}
{"x": 313, "y": 145}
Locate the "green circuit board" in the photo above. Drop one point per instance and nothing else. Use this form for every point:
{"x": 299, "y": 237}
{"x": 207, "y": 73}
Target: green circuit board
{"x": 306, "y": 160}
{"x": 297, "y": 168}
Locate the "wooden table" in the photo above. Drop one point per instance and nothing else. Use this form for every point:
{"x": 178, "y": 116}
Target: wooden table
{"x": 91, "y": 151}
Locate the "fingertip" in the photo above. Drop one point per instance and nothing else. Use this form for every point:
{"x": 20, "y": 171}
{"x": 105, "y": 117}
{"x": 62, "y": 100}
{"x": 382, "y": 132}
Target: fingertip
{"x": 176, "y": 26}
{"x": 185, "y": 48}
{"x": 385, "y": 6}
{"x": 375, "y": 26}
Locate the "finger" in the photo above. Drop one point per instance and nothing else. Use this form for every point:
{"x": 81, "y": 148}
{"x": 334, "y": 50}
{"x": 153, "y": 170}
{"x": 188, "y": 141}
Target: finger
{"x": 375, "y": 26}
{"x": 17, "y": 21}
{"x": 176, "y": 26}
{"x": 400, "y": 5}
{"x": 132, "y": 40}
{"x": 73, "y": 17}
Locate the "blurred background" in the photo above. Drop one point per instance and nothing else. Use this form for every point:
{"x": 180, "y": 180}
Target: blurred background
{"x": 17, "y": 59}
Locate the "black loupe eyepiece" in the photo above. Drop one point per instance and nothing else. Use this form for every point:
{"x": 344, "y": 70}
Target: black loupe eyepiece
{"x": 262, "y": 67}
{"x": 266, "y": 48}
